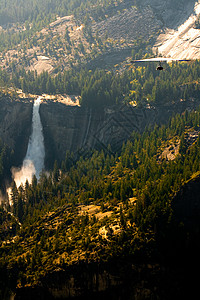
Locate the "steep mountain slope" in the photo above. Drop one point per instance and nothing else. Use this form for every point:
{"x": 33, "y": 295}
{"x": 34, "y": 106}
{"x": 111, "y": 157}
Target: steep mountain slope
{"x": 98, "y": 32}
{"x": 109, "y": 223}
{"x": 68, "y": 42}
{"x": 128, "y": 24}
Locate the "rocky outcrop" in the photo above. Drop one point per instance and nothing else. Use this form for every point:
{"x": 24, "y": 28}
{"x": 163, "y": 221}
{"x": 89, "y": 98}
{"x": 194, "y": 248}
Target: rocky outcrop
{"x": 129, "y": 24}
{"x": 79, "y": 130}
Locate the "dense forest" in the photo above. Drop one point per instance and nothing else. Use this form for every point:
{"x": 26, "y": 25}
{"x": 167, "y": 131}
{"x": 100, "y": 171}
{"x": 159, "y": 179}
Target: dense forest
{"x": 141, "y": 85}
{"x": 6, "y": 161}
{"x": 31, "y": 16}
{"x": 34, "y": 10}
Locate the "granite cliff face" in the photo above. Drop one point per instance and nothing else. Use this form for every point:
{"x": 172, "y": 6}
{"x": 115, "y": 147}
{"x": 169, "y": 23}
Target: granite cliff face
{"x": 77, "y": 129}
{"x": 171, "y": 13}
{"x": 15, "y": 126}
{"x": 180, "y": 36}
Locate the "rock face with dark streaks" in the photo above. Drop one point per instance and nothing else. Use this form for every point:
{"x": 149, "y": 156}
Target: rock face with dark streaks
{"x": 15, "y": 126}
{"x": 79, "y": 130}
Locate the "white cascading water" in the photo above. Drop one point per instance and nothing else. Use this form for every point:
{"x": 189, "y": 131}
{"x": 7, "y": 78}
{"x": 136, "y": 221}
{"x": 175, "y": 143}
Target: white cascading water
{"x": 33, "y": 163}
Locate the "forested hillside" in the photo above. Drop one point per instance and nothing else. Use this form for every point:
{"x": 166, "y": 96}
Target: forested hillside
{"x": 105, "y": 206}
{"x": 20, "y": 11}
{"x": 54, "y": 36}
{"x": 138, "y": 84}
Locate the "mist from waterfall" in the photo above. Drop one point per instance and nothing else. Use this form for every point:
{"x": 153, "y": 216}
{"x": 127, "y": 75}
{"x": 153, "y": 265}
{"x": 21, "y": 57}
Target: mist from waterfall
{"x": 33, "y": 163}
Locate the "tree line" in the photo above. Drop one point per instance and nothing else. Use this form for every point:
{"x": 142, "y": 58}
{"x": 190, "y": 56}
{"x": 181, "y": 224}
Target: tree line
{"x": 142, "y": 85}
{"x": 21, "y": 11}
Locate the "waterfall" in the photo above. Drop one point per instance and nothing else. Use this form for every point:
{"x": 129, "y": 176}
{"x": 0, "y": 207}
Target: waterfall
{"x": 33, "y": 162}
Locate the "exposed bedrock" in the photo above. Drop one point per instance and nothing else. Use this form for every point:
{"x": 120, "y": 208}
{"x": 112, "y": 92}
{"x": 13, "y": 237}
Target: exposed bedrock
{"x": 15, "y": 126}
{"x": 79, "y": 129}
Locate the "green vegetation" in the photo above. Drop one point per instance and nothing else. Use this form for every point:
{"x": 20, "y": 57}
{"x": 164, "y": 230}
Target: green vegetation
{"x": 22, "y": 19}
{"x": 34, "y": 10}
{"x": 105, "y": 205}
{"x": 102, "y": 206}
{"x": 143, "y": 85}
{"x": 61, "y": 31}
{"x": 6, "y": 158}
